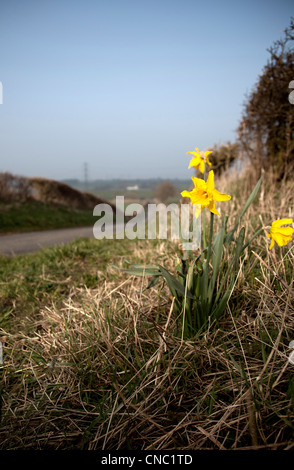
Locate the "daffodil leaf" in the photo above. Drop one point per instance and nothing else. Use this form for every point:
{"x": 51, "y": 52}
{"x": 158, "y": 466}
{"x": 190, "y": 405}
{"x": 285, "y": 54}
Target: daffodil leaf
{"x": 251, "y": 197}
{"x": 146, "y": 266}
{"x": 221, "y": 305}
{"x": 174, "y": 285}
{"x": 139, "y": 271}
{"x": 290, "y": 392}
{"x": 216, "y": 259}
{"x": 152, "y": 283}
{"x": 190, "y": 276}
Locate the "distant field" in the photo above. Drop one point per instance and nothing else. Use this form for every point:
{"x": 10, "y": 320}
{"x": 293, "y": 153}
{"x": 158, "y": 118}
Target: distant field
{"x": 140, "y": 194}
{"x": 110, "y": 189}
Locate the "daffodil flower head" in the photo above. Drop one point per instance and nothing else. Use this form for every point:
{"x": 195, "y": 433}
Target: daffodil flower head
{"x": 199, "y": 159}
{"x": 204, "y": 194}
{"x": 280, "y": 235}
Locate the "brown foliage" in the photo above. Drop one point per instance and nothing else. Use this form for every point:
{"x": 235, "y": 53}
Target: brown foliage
{"x": 267, "y": 127}
{"x": 165, "y": 190}
{"x": 224, "y": 156}
{"x": 14, "y": 188}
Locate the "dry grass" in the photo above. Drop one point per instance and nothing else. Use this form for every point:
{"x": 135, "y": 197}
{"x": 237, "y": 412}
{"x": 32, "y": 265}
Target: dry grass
{"x": 108, "y": 369}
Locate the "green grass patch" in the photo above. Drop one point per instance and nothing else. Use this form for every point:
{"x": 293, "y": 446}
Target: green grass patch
{"x": 28, "y": 282}
{"x": 33, "y": 215}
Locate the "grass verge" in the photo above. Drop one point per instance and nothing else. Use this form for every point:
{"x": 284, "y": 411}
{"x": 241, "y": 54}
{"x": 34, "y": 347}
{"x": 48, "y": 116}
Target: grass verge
{"x": 33, "y": 215}
{"x": 93, "y": 361}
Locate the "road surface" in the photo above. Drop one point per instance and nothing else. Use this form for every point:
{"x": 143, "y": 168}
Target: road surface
{"x": 20, "y": 243}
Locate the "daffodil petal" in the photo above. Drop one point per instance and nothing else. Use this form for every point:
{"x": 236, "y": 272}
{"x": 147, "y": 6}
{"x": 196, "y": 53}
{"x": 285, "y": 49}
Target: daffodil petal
{"x": 207, "y": 161}
{"x": 281, "y": 238}
{"x": 198, "y": 210}
{"x": 278, "y": 223}
{"x": 193, "y": 153}
{"x": 202, "y": 166}
{"x": 195, "y": 162}
{"x": 285, "y": 231}
{"x": 199, "y": 183}
{"x": 206, "y": 157}
{"x": 212, "y": 208}
{"x": 199, "y": 198}
{"x": 210, "y": 182}
{"x": 185, "y": 194}
{"x": 217, "y": 196}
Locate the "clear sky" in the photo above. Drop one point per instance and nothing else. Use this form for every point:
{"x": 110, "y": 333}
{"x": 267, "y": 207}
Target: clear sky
{"x": 127, "y": 86}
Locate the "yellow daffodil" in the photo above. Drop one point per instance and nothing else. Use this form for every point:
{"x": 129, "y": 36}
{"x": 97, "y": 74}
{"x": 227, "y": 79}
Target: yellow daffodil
{"x": 280, "y": 235}
{"x": 204, "y": 194}
{"x": 199, "y": 159}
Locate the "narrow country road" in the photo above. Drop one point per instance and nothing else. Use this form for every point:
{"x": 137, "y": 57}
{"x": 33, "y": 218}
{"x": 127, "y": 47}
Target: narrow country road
{"x": 20, "y": 243}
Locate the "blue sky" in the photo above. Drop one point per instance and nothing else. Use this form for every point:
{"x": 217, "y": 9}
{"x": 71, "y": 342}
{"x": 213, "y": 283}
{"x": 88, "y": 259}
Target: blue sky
{"x": 126, "y": 86}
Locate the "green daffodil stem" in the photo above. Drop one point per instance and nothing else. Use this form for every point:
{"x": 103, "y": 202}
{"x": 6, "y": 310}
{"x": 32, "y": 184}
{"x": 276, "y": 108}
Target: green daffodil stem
{"x": 204, "y": 244}
{"x": 210, "y": 236}
{"x": 206, "y": 264}
{"x": 254, "y": 236}
{"x": 203, "y": 218}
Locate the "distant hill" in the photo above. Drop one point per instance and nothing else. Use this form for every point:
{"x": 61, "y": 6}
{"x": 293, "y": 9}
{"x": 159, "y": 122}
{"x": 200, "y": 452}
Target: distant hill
{"x": 20, "y": 188}
{"x": 56, "y": 192}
